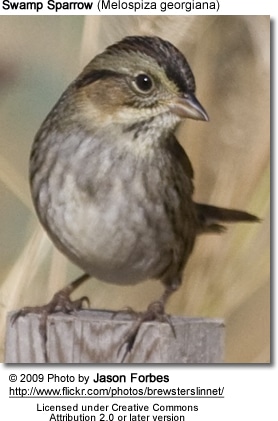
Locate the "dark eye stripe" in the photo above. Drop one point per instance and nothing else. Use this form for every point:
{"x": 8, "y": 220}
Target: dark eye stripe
{"x": 165, "y": 54}
{"x": 93, "y": 76}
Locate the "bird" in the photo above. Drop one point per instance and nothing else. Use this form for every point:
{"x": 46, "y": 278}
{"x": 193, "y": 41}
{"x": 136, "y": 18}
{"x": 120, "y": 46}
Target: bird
{"x": 110, "y": 182}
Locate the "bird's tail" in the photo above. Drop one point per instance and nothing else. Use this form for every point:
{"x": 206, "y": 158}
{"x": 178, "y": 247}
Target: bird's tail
{"x": 210, "y": 217}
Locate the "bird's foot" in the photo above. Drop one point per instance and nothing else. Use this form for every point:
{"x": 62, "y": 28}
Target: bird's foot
{"x": 61, "y": 302}
{"x": 154, "y": 312}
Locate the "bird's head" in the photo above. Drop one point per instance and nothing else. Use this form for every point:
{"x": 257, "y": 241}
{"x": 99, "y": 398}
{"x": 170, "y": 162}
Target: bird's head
{"x": 137, "y": 81}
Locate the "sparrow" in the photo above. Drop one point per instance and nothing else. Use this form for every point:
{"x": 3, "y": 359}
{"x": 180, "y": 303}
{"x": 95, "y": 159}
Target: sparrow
{"x": 110, "y": 182}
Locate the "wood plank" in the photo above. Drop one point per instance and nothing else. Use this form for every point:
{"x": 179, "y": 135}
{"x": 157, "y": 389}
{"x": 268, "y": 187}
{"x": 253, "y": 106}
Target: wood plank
{"x": 95, "y": 336}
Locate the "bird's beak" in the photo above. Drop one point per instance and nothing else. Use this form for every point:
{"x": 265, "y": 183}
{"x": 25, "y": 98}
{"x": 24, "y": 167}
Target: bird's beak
{"x": 187, "y": 106}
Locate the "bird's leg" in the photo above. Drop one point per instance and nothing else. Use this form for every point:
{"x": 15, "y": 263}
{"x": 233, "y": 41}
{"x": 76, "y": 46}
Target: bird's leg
{"x": 155, "y": 311}
{"x": 61, "y": 301}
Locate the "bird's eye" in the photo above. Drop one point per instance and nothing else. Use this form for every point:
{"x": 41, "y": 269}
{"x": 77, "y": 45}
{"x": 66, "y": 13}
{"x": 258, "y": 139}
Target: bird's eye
{"x": 143, "y": 83}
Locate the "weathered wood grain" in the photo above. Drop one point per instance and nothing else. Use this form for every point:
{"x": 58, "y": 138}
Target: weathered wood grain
{"x": 92, "y": 336}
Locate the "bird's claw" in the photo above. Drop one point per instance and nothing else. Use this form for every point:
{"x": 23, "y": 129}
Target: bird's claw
{"x": 154, "y": 312}
{"x": 61, "y": 302}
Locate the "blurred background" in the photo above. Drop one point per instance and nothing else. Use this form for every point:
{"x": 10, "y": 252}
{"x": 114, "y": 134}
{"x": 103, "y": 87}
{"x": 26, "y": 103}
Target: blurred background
{"x": 228, "y": 276}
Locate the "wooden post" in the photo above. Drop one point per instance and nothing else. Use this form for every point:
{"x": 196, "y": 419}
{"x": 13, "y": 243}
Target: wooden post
{"x": 95, "y": 336}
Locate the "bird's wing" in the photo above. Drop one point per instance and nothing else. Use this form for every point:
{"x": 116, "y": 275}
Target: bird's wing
{"x": 180, "y": 156}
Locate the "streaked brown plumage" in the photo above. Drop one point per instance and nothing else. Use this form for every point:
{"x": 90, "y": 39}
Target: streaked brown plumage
{"x": 110, "y": 182}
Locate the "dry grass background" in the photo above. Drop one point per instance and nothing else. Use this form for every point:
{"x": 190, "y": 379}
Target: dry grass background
{"x": 228, "y": 275}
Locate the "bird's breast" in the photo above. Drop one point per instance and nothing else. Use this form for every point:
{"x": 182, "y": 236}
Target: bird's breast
{"x": 119, "y": 217}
